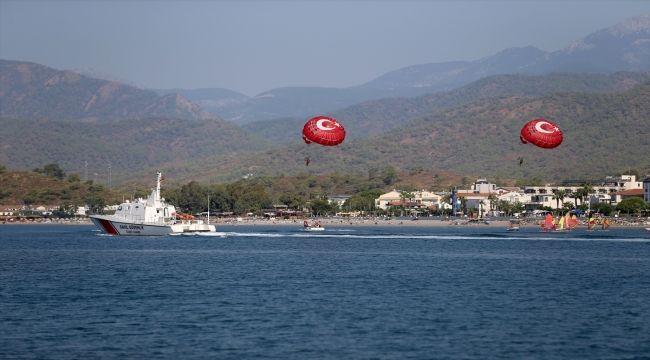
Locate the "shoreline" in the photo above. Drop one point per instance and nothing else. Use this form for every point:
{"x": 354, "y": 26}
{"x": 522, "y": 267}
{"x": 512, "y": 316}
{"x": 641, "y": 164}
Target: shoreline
{"x": 360, "y": 222}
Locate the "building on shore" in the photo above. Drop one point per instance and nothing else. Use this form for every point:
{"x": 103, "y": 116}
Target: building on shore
{"x": 604, "y": 190}
{"x": 487, "y": 197}
{"x": 412, "y": 201}
{"x": 619, "y": 196}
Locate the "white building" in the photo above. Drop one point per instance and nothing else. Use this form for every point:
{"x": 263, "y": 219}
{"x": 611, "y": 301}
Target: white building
{"x": 338, "y": 199}
{"x": 421, "y": 199}
{"x": 603, "y": 191}
{"x": 619, "y": 196}
{"x": 646, "y": 190}
{"x": 9, "y": 210}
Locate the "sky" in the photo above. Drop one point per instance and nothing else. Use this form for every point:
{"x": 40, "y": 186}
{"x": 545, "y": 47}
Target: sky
{"x": 255, "y": 46}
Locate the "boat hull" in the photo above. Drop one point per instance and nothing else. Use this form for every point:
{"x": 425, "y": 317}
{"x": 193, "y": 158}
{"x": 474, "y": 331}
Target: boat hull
{"x": 314, "y": 229}
{"x": 111, "y": 225}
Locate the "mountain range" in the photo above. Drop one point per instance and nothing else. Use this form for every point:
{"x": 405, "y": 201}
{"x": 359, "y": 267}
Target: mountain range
{"x": 384, "y": 132}
{"x": 372, "y": 118}
{"x": 604, "y": 134}
{"x": 33, "y": 91}
{"x": 622, "y": 47}
{"x": 49, "y": 115}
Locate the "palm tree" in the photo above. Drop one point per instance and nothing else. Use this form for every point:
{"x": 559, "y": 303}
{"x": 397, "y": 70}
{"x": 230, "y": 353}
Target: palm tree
{"x": 493, "y": 199}
{"x": 559, "y": 197}
{"x": 480, "y": 204}
{"x": 588, "y": 189}
{"x": 505, "y": 206}
{"x": 445, "y": 199}
{"x": 578, "y": 194}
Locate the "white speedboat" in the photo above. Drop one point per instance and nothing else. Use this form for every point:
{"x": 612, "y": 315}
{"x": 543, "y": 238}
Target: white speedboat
{"x": 149, "y": 217}
{"x": 514, "y": 225}
{"x": 317, "y": 226}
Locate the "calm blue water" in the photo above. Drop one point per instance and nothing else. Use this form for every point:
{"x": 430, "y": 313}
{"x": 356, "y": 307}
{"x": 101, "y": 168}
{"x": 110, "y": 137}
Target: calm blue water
{"x": 358, "y": 292}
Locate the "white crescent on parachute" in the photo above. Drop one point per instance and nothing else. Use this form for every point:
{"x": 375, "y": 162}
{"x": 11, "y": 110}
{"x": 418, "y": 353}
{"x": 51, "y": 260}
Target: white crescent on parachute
{"x": 319, "y": 124}
{"x": 538, "y": 127}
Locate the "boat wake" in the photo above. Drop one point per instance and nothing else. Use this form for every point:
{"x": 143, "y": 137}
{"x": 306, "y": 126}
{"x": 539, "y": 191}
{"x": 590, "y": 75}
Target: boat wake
{"x": 388, "y": 236}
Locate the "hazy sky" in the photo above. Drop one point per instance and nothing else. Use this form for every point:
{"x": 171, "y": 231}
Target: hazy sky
{"x": 254, "y": 46}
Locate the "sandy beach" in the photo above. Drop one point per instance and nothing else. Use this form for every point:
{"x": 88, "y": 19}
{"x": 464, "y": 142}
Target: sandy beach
{"x": 338, "y": 222}
{"x": 435, "y": 222}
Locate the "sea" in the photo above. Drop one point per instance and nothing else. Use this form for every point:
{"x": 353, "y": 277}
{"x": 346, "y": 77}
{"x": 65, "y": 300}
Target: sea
{"x": 355, "y": 292}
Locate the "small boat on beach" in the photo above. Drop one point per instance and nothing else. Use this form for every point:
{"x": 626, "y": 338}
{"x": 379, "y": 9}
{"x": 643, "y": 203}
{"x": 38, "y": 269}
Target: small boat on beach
{"x": 149, "y": 217}
{"x": 316, "y": 226}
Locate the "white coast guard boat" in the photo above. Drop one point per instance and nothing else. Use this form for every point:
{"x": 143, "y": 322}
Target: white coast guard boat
{"x": 149, "y": 217}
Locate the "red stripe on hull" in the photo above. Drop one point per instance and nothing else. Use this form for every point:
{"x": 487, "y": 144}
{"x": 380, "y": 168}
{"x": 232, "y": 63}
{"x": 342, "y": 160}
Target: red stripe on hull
{"x": 108, "y": 227}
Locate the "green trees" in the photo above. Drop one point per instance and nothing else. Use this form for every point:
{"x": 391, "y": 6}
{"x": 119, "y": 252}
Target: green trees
{"x": 578, "y": 194}
{"x": 95, "y": 198}
{"x": 65, "y": 210}
{"x": 238, "y": 197}
{"x": 193, "y": 198}
{"x": 492, "y": 198}
{"x": 51, "y": 170}
{"x": 74, "y": 178}
{"x": 389, "y": 175}
{"x": 559, "y": 196}
{"x": 632, "y": 205}
{"x": 363, "y": 201}
{"x": 603, "y": 208}
{"x": 587, "y": 190}
{"x": 292, "y": 200}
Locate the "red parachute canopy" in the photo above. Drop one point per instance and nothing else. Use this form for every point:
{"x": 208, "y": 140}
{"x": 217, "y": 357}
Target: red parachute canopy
{"x": 323, "y": 130}
{"x": 542, "y": 133}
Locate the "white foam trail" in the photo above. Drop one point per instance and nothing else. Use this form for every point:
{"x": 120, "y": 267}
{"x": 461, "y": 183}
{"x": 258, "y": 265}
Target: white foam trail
{"x": 414, "y": 237}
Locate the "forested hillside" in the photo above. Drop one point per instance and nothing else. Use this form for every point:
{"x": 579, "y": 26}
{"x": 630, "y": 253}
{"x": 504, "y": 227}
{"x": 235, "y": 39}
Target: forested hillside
{"x": 603, "y": 134}
{"x": 128, "y": 146}
{"x": 374, "y": 117}
{"x": 32, "y": 91}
